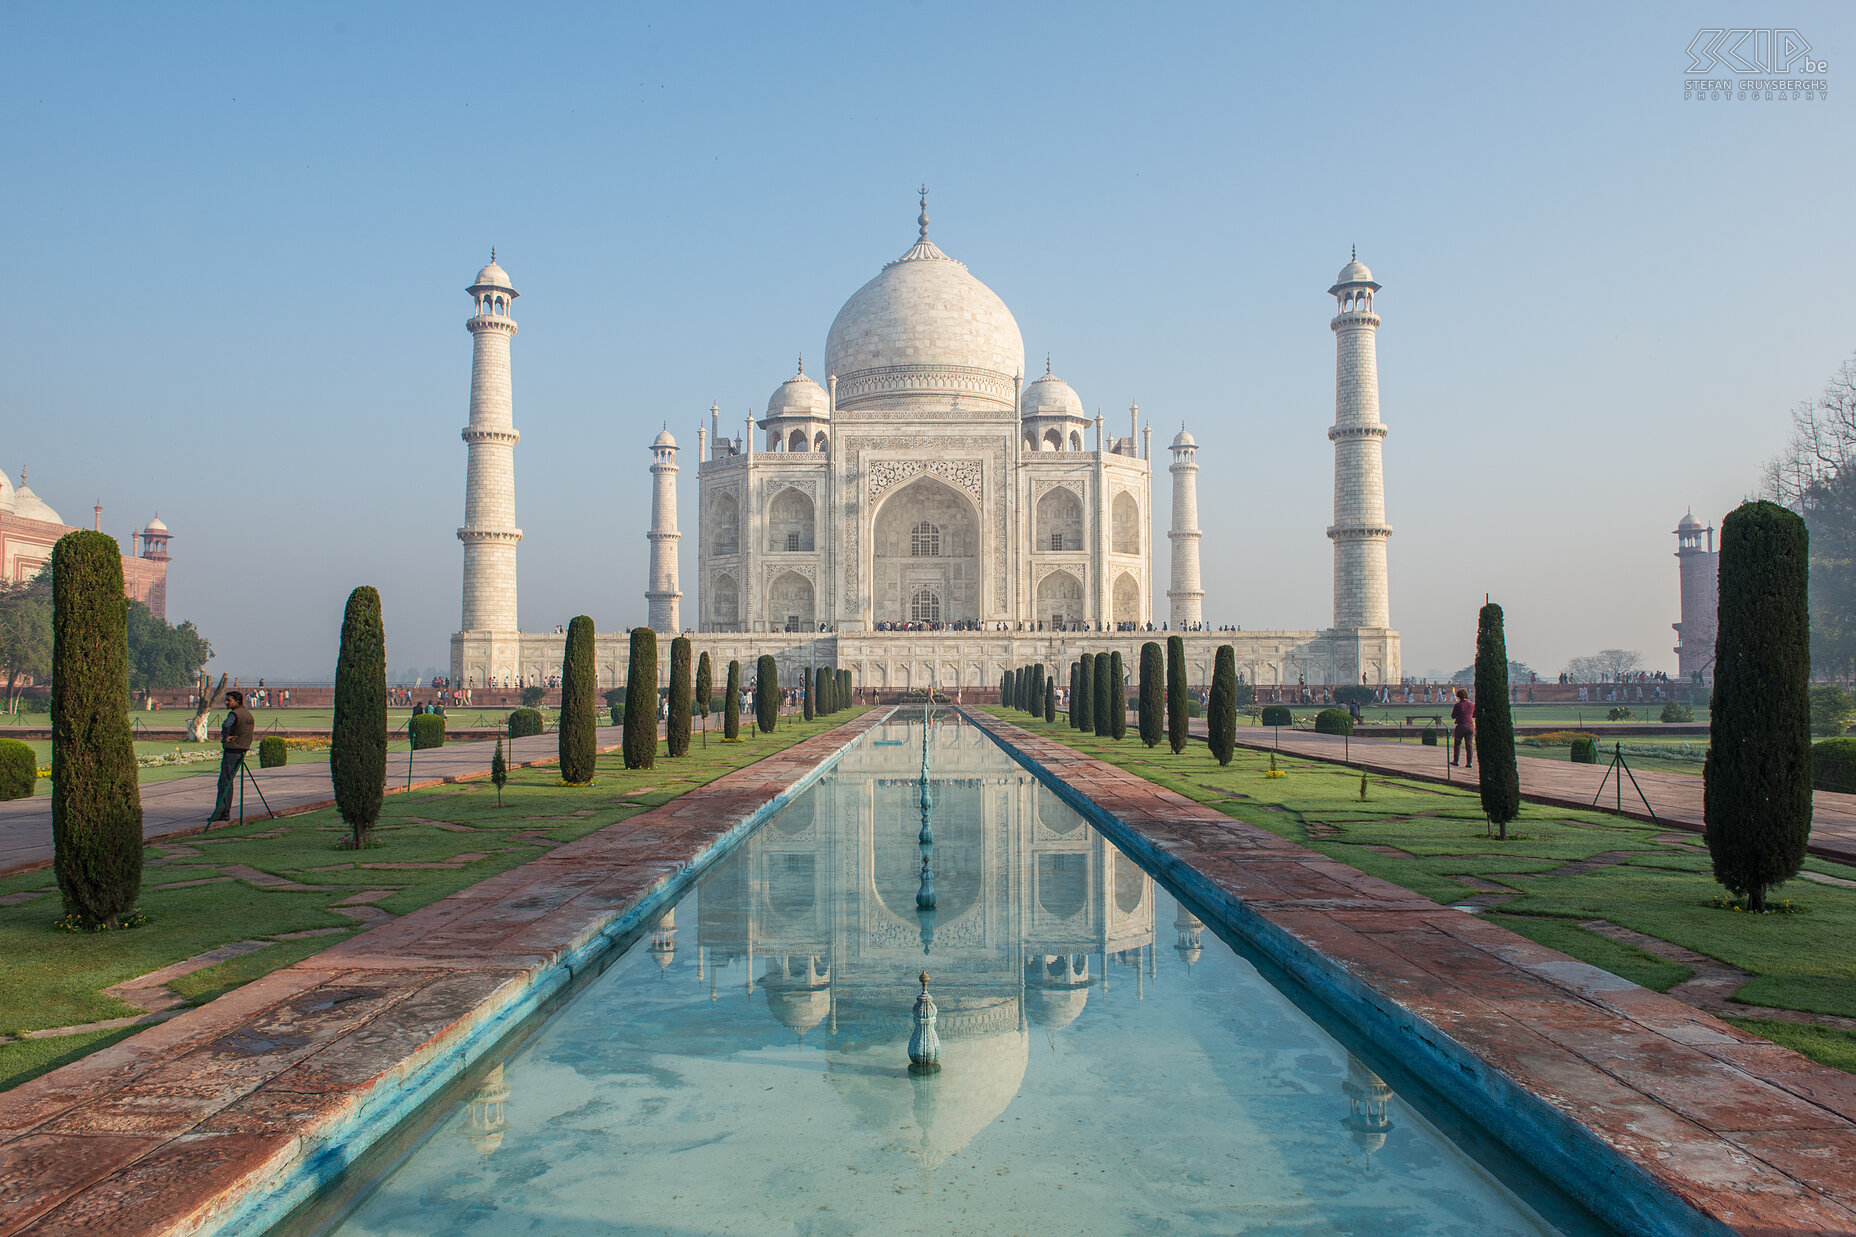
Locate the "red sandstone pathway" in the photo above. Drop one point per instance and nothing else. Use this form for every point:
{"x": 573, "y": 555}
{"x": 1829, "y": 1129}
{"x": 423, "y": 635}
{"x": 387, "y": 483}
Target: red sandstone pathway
{"x": 164, "y": 1132}
{"x": 1676, "y": 797}
{"x": 180, "y": 806}
{"x": 1752, "y": 1135}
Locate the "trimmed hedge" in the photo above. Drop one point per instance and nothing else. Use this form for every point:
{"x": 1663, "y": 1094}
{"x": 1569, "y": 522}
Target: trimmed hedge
{"x": 1153, "y": 687}
{"x": 579, "y": 744}
{"x": 273, "y": 753}
{"x": 705, "y": 686}
{"x": 1756, "y": 798}
{"x": 1221, "y": 725}
{"x": 1356, "y": 693}
{"x": 1277, "y": 715}
{"x": 1676, "y": 711}
{"x": 426, "y": 730}
{"x": 1117, "y": 697}
{"x": 1178, "y": 700}
{"x": 1083, "y": 695}
{"x": 1500, "y": 780}
{"x": 1333, "y": 721}
{"x": 525, "y": 722}
{"x": 1584, "y": 750}
{"x": 767, "y": 693}
{"x": 19, "y": 769}
{"x": 677, "y": 727}
{"x": 640, "y": 740}
{"x": 1429, "y": 737}
{"x": 1102, "y": 701}
{"x": 358, "y": 738}
{"x": 1050, "y": 699}
{"x": 1833, "y": 765}
{"x": 731, "y": 703}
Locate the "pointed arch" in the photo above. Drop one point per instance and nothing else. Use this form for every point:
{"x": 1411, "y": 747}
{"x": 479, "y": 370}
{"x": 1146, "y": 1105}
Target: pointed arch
{"x": 725, "y": 525}
{"x": 1060, "y": 521}
{"x": 1127, "y": 598}
{"x": 1125, "y": 524}
{"x": 1060, "y": 600}
{"x": 790, "y": 603}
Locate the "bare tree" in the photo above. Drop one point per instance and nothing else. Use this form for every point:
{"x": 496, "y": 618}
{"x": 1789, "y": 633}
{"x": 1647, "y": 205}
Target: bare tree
{"x": 1620, "y": 662}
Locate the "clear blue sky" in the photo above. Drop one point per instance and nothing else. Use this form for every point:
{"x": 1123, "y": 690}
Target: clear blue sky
{"x": 239, "y": 237}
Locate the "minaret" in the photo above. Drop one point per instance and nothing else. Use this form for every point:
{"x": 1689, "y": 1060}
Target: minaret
{"x": 1700, "y": 567}
{"x": 489, "y": 533}
{"x": 1186, "y": 596}
{"x": 662, "y": 594}
{"x": 1360, "y": 530}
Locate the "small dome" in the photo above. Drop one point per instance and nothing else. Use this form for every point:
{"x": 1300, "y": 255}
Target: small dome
{"x": 156, "y": 526}
{"x": 1055, "y": 1008}
{"x": 494, "y": 276}
{"x": 1184, "y": 439}
{"x": 799, "y": 396}
{"x": 664, "y": 439}
{"x": 1354, "y": 272}
{"x": 29, "y": 506}
{"x": 1051, "y": 396}
{"x": 1689, "y": 521}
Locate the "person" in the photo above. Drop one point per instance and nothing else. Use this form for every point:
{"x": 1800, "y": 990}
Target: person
{"x": 1463, "y": 737}
{"x": 234, "y": 741}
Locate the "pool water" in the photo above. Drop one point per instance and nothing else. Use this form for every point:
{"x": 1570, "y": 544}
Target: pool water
{"x": 1109, "y": 1065}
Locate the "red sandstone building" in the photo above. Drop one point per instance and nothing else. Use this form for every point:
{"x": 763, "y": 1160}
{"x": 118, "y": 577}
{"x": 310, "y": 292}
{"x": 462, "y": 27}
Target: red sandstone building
{"x": 29, "y": 528}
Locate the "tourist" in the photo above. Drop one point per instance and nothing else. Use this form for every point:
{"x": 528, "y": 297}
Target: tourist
{"x": 1463, "y": 736}
{"x": 234, "y": 741}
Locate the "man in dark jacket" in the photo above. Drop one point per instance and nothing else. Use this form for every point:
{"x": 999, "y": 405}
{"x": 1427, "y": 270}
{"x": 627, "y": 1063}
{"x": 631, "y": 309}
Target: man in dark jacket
{"x": 235, "y": 740}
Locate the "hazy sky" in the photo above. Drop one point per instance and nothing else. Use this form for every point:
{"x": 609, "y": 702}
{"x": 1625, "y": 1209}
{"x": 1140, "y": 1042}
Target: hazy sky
{"x": 239, "y": 238}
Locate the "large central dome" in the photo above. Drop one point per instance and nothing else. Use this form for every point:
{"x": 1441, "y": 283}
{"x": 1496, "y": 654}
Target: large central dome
{"x": 925, "y": 330}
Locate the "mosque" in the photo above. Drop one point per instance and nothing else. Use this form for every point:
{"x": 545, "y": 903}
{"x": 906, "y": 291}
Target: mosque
{"x": 29, "y": 528}
{"x": 926, "y": 517}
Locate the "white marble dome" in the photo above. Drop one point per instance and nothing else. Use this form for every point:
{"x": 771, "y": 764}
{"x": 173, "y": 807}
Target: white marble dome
{"x": 1051, "y": 396}
{"x": 494, "y": 276}
{"x": 799, "y": 396}
{"x": 925, "y": 327}
{"x": 664, "y": 438}
{"x": 1354, "y": 272}
{"x": 29, "y": 506}
{"x": 6, "y": 492}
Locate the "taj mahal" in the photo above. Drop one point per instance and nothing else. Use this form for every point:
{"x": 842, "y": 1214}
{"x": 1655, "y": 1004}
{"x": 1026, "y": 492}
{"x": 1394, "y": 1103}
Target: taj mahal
{"x": 925, "y": 517}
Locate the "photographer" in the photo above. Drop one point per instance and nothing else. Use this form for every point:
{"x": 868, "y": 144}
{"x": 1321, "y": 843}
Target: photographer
{"x": 235, "y": 740}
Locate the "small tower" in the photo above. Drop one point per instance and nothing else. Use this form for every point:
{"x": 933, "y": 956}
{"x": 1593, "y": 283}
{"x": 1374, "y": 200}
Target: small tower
{"x": 489, "y": 534}
{"x": 155, "y": 540}
{"x": 1700, "y": 567}
{"x": 662, "y": 594}
{"x": 1360, "y": 530}
{"x": 1187, "y": 597}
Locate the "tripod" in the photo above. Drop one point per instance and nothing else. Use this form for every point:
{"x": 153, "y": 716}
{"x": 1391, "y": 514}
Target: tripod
{"x": 246, "y": 775}
{"x": 1621, "y": 770}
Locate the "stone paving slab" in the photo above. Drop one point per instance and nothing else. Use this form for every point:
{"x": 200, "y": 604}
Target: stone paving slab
{"x": 1607, "y": 1080}
{"x": 1675, "y": 797}
{"x": 174, "y": 1129}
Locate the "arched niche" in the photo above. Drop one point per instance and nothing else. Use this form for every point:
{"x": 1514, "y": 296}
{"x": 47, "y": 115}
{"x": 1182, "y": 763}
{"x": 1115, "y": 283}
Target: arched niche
{"x": 1125, "y": 524}
{"x": 1127, "y": 599}
{"x": 1060, "y": 600}
{"x": 1060, "y": 521}
{"x": 789, "y": 522}
{"x": 926, "y": 534}
{"x": 725, "y": 604}
{"x": 789, "y": 603}
{"x": 725, "y": 525}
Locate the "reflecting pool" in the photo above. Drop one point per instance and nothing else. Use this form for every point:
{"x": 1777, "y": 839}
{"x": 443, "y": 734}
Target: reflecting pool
{"x": 1109, "y": 1065}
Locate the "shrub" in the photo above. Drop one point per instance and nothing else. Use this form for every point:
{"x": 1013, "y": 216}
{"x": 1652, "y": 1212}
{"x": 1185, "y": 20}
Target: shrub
{"x": 1333, "y": 721}
{"x": 425, "y": 730}
{"x": 533, "y": 695}
{"x": 1756, "y": 800}
{"x": 1355, "y": 693}
{"x": 1500, "y": 783}
{"x": 677, "y": 724}
{"x": 1277, "y": 715}
{"x": 96, "y": 804}
{"x": 1083, "y": 695}
{"x": 19, "y": 769}
{"x": 640, "y": 740}
{"x": 1616, "y": 713}
{"x": 1583, "y": 750}
{"x": 358, "y": 737}
{"x": 1429, "y": 737}
{"x": 1153, "y": 688}
{"x": 1832, "y": 709}
{"x": 1117, "y": 697}
{"x": 525, "y": 722}
{"x": 766, "y": 693}
{"x": 1221, "y": 725}
{"x": 731, "y": 703}
{"x": 1833, "y": 765}
{"x": 1245, "y": 695}
{"x": 1194, "y": 707}
{"x": 1050, "y": 700}
{"x": 274, "y": 753}
{"x": 579, "y": 747}
{"x": 1178, "y": 702}
{"x": 499, "y": 772}
{"x": 1676, "y": 711}
{"x": 614, "y": 698}
{"x": 617, "y": 713}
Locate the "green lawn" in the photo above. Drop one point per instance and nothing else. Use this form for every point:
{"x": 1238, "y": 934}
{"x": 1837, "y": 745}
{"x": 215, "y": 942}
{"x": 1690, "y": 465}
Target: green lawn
{"x": 53, "y": 978}
{"x": 281, "y": 719}
{"x": 1423, "y": 836}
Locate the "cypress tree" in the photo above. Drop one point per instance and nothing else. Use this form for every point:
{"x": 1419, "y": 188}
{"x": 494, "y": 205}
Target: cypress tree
{"x": 677, "y": 725}
{"x": 1178, "y": 715}
{"x": 1221, "y": 722}
{"x": 821, "y": 688}
{"x": 844, "y": 688}
{"x": 640, "y": 742}
{"x": 1050, "y": 700}
{"x": 731, "y": 703}
{"x": 1083, "y": 694}
{"x": 705, "y": 688}
{"x": 1756, "y": 800}
{"x": 1005, "y": 690}
{"x": 96, "y": 803}
{"x": 766, "y": 693}
{"x": 1501, "y": 780}
{"x": 1117, "y": 696}
{"x": 1099, "y": 700}
{"x": 1021, "y": 688}
{"x": 806, "y": 692}
{"x": 578, "y": 745}
{"x": 1153, "y": 687}
{"x": 1076, "y": 673}
{"x": 499, "y": 771}
{"x": 1036, "y": 704}
{"x": 358, "y": 735}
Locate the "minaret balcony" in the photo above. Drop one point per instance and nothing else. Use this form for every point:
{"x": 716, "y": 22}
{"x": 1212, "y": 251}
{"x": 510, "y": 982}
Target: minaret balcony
{"x": 1374, "y": 430}
{"x": 475, "y": 434}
